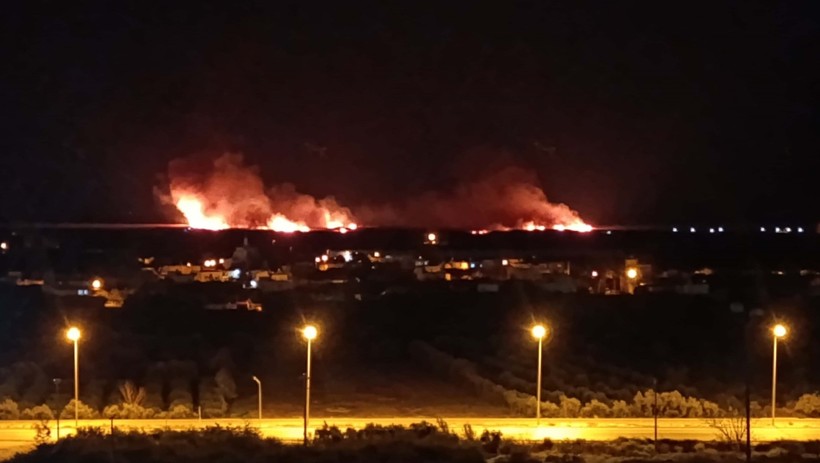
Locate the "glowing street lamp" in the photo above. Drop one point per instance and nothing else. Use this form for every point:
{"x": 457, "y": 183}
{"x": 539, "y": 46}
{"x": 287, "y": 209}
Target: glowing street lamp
{"x": 96, "y": 284}
{"x": 309, "y": 332}
{"x": 73, "y": 334}
{"x": 539, "y": 332}
{"x": 778, "y": 331}
{"x": 632, "y": 273}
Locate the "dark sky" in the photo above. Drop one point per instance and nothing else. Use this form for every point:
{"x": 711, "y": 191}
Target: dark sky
{"x": 630, "y": 112}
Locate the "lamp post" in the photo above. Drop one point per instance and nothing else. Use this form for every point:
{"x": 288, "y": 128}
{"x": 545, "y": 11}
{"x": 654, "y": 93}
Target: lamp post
{"x": 309, "y": 332}
{"x": 538, "y": 332}
{"x": 778, "y": 331}
{"x": 73, "y": 334}
{"x": 259, "y": 387}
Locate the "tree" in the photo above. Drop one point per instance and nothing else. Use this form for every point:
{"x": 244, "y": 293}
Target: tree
{"x": 9, "y": 410}
{"x": 85, "y": 411}
{"x": 620, "y": 409}
{"x": 131, "y": 395}
{"x": 808, "y": 405}
{"x": 570, "y": 407}
{"x": 595, "y": 408}
{"x": 38, "y": 412}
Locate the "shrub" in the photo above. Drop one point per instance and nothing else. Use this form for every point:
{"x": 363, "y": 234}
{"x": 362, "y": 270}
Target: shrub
{"x": 808, "y": 405}
{"x": 595, "y": 409}
{"x": 620, "y": 409}
{"x": 85, "y": 412}
{"x": 128, "y": 411}
{"x": 180, "y": 394}
{"x": 38, "y": 412}
{"x": 178, "y": 412}
{"x": 42, "y": 432}
{"x": 570, "y": 406}
{"x": 9, "y": 410}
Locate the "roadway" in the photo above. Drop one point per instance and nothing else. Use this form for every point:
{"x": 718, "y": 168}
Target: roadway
{"x": 14, "y": 434}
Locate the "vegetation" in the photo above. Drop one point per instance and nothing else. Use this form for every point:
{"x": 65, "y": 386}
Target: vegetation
{"x": 184, "y": 358}
{"x": 669, "y": 404}
{"x": 84, "y": 411}
{"x": 420, "y": 442}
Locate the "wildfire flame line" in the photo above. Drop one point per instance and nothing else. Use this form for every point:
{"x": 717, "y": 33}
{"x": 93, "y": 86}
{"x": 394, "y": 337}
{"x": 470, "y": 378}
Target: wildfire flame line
{"x": 233, "y": 196}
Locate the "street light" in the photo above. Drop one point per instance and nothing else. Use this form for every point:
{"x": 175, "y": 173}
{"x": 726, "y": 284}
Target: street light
{"x": 778, "y": 331}
{"x": 73, "y": 334}
{"x": 309, "y": 332}
{"x": 96, "y": 284}
{"x": 632, "y": 273}
{"x": 538, "y": 332}
{"x": 259, "y": 386}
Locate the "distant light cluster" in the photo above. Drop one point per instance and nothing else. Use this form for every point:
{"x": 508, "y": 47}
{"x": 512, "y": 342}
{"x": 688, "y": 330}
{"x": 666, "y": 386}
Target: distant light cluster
{"x": 762, "y": 229}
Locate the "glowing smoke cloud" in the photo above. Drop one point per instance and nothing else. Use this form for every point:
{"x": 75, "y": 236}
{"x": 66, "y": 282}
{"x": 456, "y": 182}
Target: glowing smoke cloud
{"x": 232, "y": 195}
{"x": 506, "y": 199}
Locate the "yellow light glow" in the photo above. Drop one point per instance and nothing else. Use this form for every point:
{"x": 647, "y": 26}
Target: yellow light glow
{"x": 632, "y": 273}
{"x": 431, "y": 237}
{"x": 96, "y": 284}
{"x": 539, "y": 331}
{"x": 73, "y": 333}
{"x": 594, "y": 274}
{"x": 376, "y": 254}
{"x": 310, "y": 332}
{"x": 4, "y": 246}
{"x": 779, "y": 330}
{"x": 505, "y": 262}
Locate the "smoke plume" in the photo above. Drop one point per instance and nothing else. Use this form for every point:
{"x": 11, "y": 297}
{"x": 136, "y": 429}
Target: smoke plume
{"x": 231, "y": 195}
{"x": 505, "y": 199}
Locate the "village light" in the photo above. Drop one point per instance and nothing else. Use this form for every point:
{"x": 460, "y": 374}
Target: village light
{"x": 632, "y": 273}
{"x": 96, "y": 284}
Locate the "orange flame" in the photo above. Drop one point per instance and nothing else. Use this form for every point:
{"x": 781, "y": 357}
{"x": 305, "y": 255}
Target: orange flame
{"x": 233, "y": 196}
{"x": 194, "y": 213}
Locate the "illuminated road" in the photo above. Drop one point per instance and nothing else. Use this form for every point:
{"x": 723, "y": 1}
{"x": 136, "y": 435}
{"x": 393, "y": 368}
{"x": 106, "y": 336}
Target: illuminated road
{"x": 19, "y": 434}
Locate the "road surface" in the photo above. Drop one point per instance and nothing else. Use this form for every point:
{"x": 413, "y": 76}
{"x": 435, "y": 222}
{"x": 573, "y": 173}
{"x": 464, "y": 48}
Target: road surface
{"x": 20, "y": 434}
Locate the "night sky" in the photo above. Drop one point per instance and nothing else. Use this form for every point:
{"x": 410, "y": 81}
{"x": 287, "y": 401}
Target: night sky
{"x": 630, "y": 112}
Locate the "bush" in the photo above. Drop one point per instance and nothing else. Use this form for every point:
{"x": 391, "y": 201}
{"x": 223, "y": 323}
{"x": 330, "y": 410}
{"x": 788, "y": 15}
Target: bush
{"x": 85, "y": 412}
{"x": 808, "y": 405}
{"x": 128, "y": 411}
{"x": 180, "y": 394}
{"x": 228, "y": 445}
{"x": 178, "y": 412}
{"x": 38, "y": 412}
{"x": 595, "y": 409}
{"x": 9, "y": 410}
